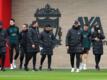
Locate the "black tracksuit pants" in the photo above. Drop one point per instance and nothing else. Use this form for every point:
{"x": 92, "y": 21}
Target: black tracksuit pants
{"x": 28, "y": 57}
{"x": 12, "y": 47}
{"x": 2, "y": 57}
{"x": 72, "y": 58}
{"x": 97, "y": 59}
{"x": 22, "y": 55}
{"x": 43, "y": 57}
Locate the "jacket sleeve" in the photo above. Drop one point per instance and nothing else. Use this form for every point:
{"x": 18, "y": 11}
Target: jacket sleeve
{"x": 20, "y": 37}
{"x": 30, "y": 36}
{"x": 54, "y": 40}
{"x": 67, "y": 38}
{"x": 53, "y": 37}
{"x": 41, "y": 39}
{"x": 101, "y": 36}
{"x": 90, "y": 35}
{"x": 18, "y": 33}
{"x": 5, "y": 36}
{"x": 7, "y": 32}
{"x": 93, "y": 36}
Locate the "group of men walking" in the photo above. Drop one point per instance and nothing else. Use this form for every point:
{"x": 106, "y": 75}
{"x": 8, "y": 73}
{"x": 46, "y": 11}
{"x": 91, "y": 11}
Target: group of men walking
{"x": 30, "y": 41}
{"x": 79, "y": 40}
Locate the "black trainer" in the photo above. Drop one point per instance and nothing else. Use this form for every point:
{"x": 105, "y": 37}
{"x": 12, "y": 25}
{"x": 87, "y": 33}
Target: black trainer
{"x": 40, "y": 68}
{"x": 2, "y": 69}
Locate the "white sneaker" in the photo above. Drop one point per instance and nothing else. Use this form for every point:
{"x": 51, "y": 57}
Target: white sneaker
{"x": 72, "y": 70}
{"x": 81, "y": 66}
{"x": 11, "y": 66}
{"x": 84, "y": 67}
{"x": 14, "y": 64}
{"x": 78, "y": 70}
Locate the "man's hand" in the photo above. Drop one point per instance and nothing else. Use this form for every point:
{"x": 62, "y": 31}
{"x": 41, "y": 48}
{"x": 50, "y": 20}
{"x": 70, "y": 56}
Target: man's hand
{"x": 7, "y": 45}
{"x": 67, "y": 47}
{"x": 99, "y": 31}
{"x": 96, "y": 39}
{"x": 33, "y": 46}
{"x": 40, "y": 48}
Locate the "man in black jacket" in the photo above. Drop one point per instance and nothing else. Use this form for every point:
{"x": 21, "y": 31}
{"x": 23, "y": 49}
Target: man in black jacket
{"x": 23, "y": 43}
{"x": 48, "y": 41}
{"x": 2, "y": 45}
{"x": 97, "y": 44}
{"x": 32, "y": 45}
{"x": 74, "y": 43}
